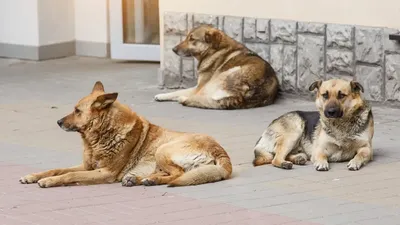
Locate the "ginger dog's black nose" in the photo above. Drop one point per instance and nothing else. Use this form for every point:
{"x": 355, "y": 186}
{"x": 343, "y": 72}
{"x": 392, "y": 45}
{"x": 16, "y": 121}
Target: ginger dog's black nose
{"x": 60, "y": 122}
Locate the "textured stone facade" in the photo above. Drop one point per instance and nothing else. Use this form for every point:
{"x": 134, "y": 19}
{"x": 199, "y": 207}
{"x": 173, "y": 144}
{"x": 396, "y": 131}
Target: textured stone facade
{"x": 299, "y": 52}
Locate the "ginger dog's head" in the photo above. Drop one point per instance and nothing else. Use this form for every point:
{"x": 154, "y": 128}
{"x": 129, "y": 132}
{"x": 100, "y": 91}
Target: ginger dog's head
{"x": 198, "y": 41}
{"x": 86, "y": 112}
{"x": 337, "y": 98}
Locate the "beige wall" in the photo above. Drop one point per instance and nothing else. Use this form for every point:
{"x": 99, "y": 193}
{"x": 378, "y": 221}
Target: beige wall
{"x": 36, "y": 22}
{"x": 19, "y": 22}
{"x": 361, "y": 12}
{"x": 383, "y": 13}
{"x": 56, "y": 21}
{"x": 91, "y": 20}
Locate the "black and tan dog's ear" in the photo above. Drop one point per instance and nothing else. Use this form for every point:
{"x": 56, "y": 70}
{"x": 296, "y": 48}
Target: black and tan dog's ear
{"x": 104, "y": 101}
{"x": 356, "y": 87}
{"x": 315, "y": 85}
{"x": 98, "y": 87}
{"x": 213, "y": 37}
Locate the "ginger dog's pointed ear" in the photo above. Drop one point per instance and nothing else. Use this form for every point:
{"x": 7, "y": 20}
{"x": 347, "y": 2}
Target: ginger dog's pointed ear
{"x": 315, "y": 85}
{"x": 98, "y": 87}
{"x": 213, "y": 37}
{"x": 104, "y": 101}
{"x": 356, "y": 87}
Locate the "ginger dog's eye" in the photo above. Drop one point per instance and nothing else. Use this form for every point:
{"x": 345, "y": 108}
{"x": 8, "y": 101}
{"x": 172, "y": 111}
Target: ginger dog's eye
{"x": 325, "y": 95}
{"x": 77, "y": 110}
{"x": 341, "y": 95}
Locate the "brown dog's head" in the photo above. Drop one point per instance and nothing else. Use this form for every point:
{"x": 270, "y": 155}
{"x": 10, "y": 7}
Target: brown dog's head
{"x": 199, "y": 40}
{"x": 88, "y": 109}
{"x": 337, "y": 98}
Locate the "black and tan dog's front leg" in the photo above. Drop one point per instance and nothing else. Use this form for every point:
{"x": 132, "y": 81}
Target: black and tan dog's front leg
{"x": 35, "y": 177}
{"x": 363, "y": 156}
{"x": 320, "y": 158}
{"x": 174, "y": 96}
{"x": 98, "y": 176}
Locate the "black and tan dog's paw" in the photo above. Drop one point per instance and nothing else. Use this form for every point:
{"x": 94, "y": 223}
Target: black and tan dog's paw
{"x": 321, "y": 165}
{"x": 354, "y": 165}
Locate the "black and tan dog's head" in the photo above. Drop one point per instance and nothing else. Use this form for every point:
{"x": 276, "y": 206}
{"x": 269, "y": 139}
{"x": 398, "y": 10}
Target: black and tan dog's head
{"x": 337, "y": 98}
{"x": 198, "y": 41}
{"x": 88, "y": 109}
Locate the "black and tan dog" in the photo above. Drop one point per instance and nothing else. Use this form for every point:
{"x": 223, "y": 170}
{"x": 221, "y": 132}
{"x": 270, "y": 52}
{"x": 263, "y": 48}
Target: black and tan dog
{"x": 230, "y": 76}
{"x": 341, "y": 130}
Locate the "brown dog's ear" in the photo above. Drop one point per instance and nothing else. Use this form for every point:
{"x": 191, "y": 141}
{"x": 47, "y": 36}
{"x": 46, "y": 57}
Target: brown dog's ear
{"x": 98, "y": 86}
{"x": 104, "y": 101}
{"x": 314, "y": 85}
{"x": 356, "y": 87}
{"x": 213, "y": 37}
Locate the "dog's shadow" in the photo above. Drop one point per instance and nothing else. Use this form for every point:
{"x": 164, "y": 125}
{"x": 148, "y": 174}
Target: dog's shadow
{"x": 382, "y": 156}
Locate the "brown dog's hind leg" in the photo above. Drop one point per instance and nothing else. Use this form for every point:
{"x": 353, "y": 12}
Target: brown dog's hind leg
{"x": 166, "y": 170}
{"x": 174, "y": 96}
{"x": 135, "y": 175}
{"x": 199, "y": 101}
{"x": 170, "y": 172}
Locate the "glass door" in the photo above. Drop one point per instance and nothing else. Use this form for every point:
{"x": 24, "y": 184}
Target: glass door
{"x": 135, "y": 30}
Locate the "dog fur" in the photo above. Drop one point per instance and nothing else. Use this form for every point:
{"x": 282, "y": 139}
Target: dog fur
{"x": 342, "y": 129}
{"x": 120, "y": 146}
{"x": 230, "y": 76}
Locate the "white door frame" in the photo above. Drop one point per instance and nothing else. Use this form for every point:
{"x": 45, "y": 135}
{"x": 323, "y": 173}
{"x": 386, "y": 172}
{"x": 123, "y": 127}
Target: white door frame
{"x": 127, "y": 51}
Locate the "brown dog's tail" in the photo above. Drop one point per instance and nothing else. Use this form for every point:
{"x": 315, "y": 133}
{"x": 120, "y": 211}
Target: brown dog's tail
{"x": 205, "y": 174}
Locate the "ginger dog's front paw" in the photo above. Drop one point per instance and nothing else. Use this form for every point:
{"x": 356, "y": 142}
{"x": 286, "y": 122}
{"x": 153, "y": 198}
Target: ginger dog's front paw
{"x": 46, "y": 182}
{"x": 28, "y": 179}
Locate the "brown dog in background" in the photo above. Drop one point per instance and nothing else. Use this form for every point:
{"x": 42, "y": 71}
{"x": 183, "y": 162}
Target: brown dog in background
{"x": 119, "y": 146}
{"x": 342, "y": 129}
{"x": 230, "y": 76}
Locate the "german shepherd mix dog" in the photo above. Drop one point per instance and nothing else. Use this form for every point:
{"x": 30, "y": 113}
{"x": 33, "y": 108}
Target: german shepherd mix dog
{"x": 341, "y": 130}
{"x": 119, "y": 146}
{"x": 230, "y": 76}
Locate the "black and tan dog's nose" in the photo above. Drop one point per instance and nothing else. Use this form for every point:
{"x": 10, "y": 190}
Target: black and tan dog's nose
{"x": 60, "y": 122}
{"x": 175, "y": 49}
{"x": 332, "y": 113}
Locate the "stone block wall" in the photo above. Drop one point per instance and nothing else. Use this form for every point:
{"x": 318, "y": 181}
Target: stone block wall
{"x": 300, "y": 52}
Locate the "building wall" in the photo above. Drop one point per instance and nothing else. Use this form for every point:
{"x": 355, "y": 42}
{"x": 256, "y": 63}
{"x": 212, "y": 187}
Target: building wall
{"x": 22, "y": 25}
{"x": 56, "y": 21}
{"x": 300, "y": 52}
{"x": 29, "y": 29}
{"x": 92, "y": 28}
{"x": 383, "y": 13}
{"x": 46, "y": 29}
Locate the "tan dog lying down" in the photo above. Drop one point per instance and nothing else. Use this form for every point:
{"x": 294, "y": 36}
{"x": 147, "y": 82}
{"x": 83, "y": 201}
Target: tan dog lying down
{"x": 119, "y": 146}
{"x": 230, "y": 76}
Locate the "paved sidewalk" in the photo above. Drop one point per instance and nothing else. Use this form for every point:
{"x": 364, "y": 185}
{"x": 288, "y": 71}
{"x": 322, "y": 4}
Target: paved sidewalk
{"x": 33, "y": 95}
